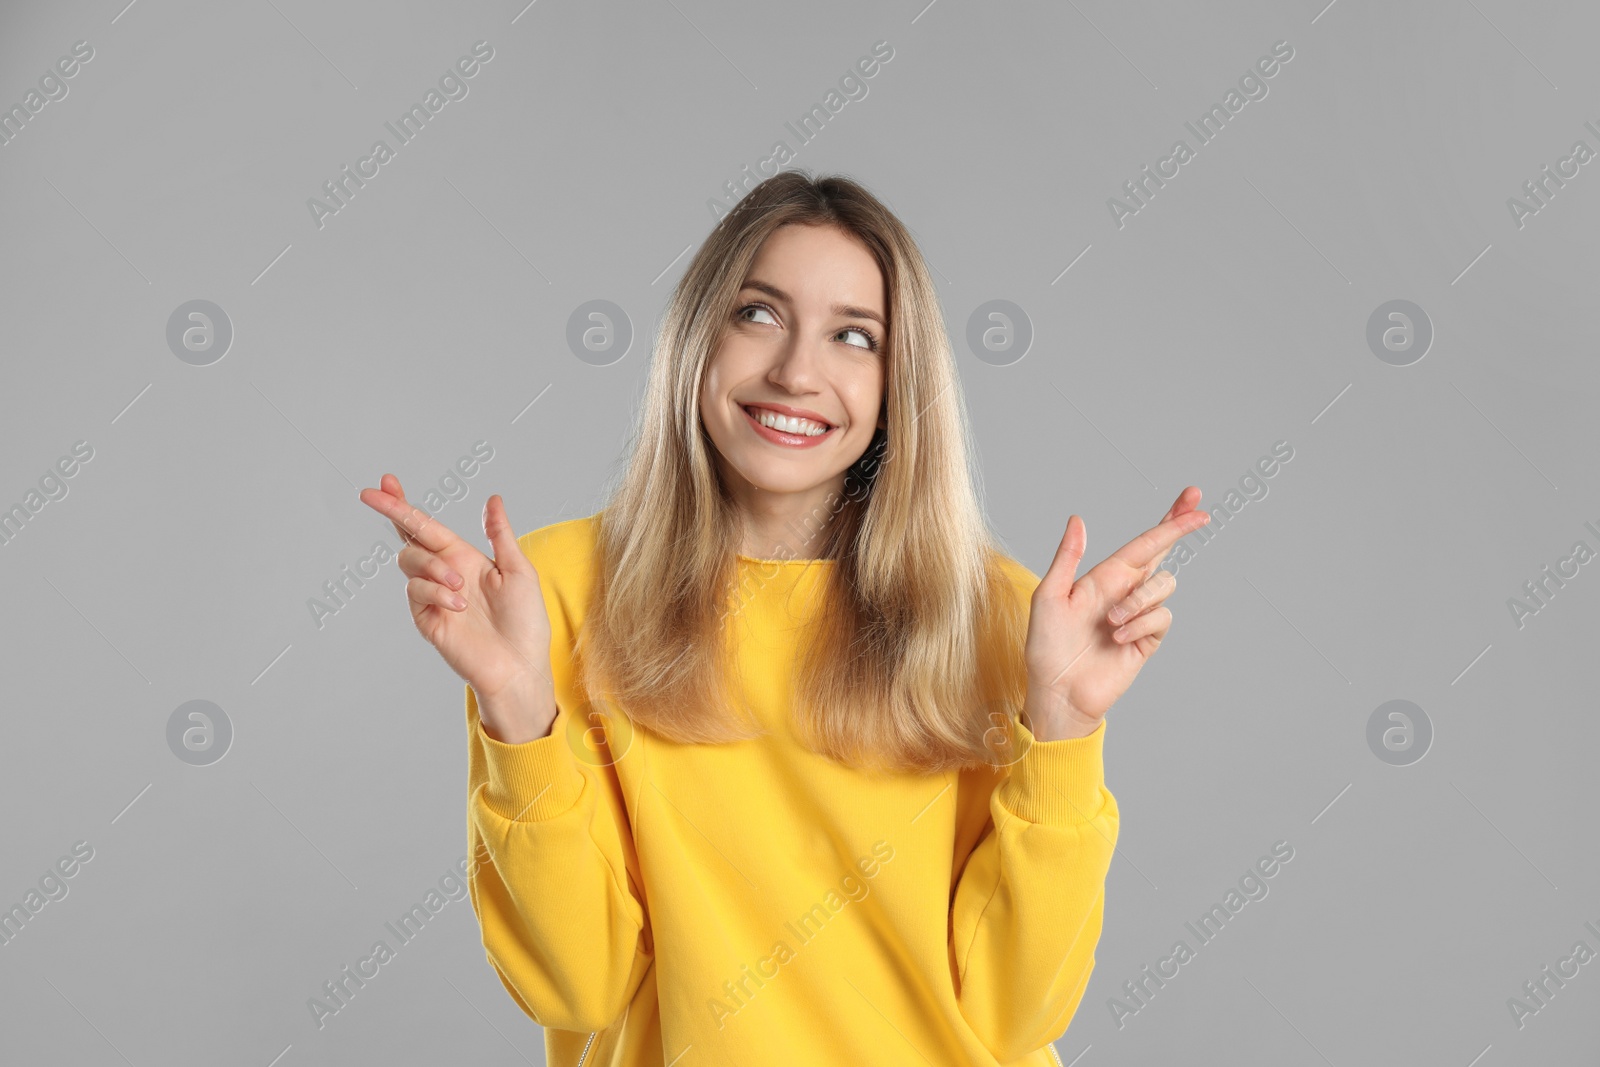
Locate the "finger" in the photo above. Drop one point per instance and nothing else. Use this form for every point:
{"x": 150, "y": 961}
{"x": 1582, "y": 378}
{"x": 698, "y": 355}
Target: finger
{"x": 416, "y": 561}
{"x": 1151, "y": 624}
{"x": 1179, "y": 507}
{"x": 1058, "y": 579}
{"x": 1151, "y": 545}
{"x": 423, "y": 592}
{"x": 497, "y": 526}
{"x": 1184, "y": 505}
{"x": 1149, "y": 593}
{"x": 391, "y": 485}
{"x": 413, "y": 524}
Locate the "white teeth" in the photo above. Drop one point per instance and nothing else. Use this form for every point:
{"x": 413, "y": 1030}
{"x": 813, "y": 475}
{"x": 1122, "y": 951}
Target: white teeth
{"x": 787, "y": 424}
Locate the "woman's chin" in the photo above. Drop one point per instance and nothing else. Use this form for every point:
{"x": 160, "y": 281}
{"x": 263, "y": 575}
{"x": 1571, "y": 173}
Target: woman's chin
{"x": 778, "y": 478}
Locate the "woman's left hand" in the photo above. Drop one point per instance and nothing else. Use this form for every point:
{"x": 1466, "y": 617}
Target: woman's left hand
{"x": 1087, "y": 639}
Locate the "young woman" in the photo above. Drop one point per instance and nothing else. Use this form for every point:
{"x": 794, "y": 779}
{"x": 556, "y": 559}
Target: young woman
{"x": 778, "y": 757}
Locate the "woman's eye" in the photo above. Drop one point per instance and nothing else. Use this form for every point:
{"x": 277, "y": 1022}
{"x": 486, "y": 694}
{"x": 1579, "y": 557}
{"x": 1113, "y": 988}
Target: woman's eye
{"x": 754, "y": 307}
{"x": 871, "y": 342}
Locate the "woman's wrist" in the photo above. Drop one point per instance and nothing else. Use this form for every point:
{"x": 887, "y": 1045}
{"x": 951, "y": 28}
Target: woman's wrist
{"x": 518, "y": 714}
{"x": 1052, "y": 718}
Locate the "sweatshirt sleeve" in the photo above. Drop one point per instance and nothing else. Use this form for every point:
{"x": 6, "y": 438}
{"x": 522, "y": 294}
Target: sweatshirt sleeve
{"x": 1026, "y": 913}
{"x": 553, "y": 878}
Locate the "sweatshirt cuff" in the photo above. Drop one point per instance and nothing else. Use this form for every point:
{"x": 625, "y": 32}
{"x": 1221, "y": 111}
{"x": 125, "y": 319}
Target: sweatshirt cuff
{"x": 1058, "y": 782}
{"x": 533, "y": 780}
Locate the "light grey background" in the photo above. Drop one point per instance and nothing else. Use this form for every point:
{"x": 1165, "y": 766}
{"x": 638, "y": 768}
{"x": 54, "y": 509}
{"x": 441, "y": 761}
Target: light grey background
{"x": 1230, "y": 313}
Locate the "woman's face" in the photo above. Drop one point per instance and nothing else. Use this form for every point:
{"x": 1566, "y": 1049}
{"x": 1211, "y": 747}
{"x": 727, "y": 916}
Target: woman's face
{"x": 807, "y": 337}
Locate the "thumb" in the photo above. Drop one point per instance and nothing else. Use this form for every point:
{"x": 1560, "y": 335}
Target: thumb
{"x": 507, "y": 553}
{"x": 1058, "y": 580}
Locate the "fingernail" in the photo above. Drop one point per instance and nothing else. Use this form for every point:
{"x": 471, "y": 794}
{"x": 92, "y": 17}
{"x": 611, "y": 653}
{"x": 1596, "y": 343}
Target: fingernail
{"x": 1115, "y": 614}
{"x": 1120, "y": 634}
{"x": 458, "y": 602}
{"x": 453, "y": 580}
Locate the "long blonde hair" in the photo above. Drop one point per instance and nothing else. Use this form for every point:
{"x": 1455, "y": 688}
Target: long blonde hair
{"x": 894, "y": 672}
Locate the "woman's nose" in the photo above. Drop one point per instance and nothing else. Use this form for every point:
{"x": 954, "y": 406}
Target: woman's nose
{"x": 796, "y": 365}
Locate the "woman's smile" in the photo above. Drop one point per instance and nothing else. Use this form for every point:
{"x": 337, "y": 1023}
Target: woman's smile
{"x": 786, "y": 430}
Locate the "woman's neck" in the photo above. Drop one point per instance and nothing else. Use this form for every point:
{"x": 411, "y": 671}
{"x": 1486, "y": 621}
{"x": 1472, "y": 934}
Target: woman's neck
{"x": 789, "y": 525}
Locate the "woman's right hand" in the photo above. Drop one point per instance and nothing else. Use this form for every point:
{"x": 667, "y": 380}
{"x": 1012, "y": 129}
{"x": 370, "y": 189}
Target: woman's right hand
{"x": 486, "y": 617}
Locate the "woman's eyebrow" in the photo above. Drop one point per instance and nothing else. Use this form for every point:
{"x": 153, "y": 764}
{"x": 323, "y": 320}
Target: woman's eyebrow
{"x": 846, "y": 310}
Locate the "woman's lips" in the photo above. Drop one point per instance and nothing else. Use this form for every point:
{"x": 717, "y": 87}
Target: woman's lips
{"x": 779, "y": 437}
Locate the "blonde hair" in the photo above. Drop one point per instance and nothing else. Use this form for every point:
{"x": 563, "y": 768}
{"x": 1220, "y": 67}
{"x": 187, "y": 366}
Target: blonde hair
{"x": 894, "y": 672}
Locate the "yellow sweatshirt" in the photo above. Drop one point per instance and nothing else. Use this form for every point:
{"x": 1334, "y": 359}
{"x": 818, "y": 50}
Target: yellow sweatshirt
{"x": 756, "y": 903}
